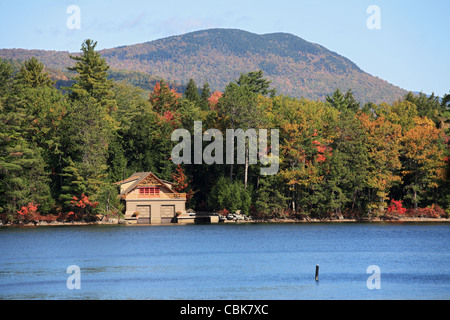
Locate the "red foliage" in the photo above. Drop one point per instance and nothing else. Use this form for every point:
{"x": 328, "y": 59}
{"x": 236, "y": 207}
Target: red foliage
{"x": 164, "y": 98}
{"x": 396, "y": 207}
{"x": 214, "y": 99}
{"x": 83, "y": 202}
{"x": 322, "y": 150}
{"x": 224, "y": 212}
{"x": 81, "y": 206}
{"x": 29, "y": 213}
{"x": 30, "y": 209}
{"x": 431, "y": 212}
{"x": 182, "y": 184}
{"x": 172, "y": 118}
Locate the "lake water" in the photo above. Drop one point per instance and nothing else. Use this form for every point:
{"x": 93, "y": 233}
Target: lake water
{"x": 227, "y": 262}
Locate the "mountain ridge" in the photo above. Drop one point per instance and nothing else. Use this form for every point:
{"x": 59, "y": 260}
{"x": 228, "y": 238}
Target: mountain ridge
{"x": 296, "y": 67}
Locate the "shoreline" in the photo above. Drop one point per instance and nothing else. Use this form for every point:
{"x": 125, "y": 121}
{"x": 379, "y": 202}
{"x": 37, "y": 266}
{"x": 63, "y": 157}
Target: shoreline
{"x": 367, "y": 221}
{"x": 123, "y": 222}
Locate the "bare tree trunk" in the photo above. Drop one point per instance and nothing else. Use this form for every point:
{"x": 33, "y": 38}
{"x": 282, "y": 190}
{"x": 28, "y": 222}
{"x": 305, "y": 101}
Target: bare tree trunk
{"x": 246, "y": 168}
{"x": 231, "y": 173}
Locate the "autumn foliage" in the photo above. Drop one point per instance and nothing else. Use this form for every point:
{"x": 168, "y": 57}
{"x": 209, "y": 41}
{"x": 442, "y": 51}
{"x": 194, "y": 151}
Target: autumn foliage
{"x": 182, "y": 184}
{"x": 81, "y": 207}
{"x": 396, "y": 207}
{"x": 164, "y": 98}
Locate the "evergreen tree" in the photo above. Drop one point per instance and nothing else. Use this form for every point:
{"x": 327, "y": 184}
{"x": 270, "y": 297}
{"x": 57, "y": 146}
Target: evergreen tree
{"x": 92, "y": 77}
{"x": 206, "y": 94}
{"x": 427, "y": 106}
{"x": 6, "y": 71}
{"x": 32, "y": 74}
{"x": 85, "y": 141}
{"x": 191, "y": 92}
{"x": 89, "y": 126}
{"x": 346, "y": 179}
{"x": 343, "y": 102}
{"x": 256, "y": 83}
{"x": 22, "y": 168}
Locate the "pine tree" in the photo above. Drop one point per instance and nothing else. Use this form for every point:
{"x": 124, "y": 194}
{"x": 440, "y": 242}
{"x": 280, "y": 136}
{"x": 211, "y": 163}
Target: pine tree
{"x": 343, "y": 102}
{"x": 22, "y": 168}
{"x": 206, "y": 94}
{"x": 92, "y": 77}
{"x": 6, "y": 71}
{"x": 191, "y": 92}
{"x": 32, "y": 74}
{"x": 256, "y": 83}
{"x": 86, "y": 140}
{"x": 89, "y": 126}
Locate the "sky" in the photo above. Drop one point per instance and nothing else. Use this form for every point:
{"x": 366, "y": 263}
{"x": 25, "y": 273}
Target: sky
{"x": 403, "y": 42}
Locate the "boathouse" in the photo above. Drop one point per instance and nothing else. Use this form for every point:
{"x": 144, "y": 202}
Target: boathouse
{"x": 150, "y": 200}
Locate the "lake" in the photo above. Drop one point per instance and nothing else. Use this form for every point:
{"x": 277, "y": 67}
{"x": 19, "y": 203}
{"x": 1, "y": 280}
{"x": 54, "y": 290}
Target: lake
{"x": 227, "y": 262}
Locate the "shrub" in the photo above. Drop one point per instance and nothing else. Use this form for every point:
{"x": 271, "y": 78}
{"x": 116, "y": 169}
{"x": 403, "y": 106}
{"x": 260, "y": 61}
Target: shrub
{"x": 231, "y": 196}
{"x": 433, "y": 212}
{"x": 396, "y": 207}
{"x": 223, "y": 212}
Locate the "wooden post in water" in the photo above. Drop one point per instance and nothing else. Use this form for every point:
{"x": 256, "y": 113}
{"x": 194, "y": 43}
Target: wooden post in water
{"x": 317, "y": 272}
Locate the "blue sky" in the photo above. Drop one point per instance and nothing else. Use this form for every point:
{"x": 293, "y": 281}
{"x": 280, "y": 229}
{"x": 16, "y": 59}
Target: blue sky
{"x": 411, "y": 50}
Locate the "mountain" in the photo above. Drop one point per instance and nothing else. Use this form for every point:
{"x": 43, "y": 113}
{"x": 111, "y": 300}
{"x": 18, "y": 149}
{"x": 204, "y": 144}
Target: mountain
{"x": 296, "y": 67}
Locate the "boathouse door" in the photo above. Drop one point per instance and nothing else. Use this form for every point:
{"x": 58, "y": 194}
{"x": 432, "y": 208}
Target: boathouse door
{"x": 145, "y": 216}
{"x": 167, "y": 214}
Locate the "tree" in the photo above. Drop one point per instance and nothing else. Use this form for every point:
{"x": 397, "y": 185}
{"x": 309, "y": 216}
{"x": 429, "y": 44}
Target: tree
{"x": 206, "y": 94}
{"x": 92, "y": 77}
{"x": 343, "y": 102}
{"x": 270, "y": 196}
{"x": 191, "y": 92}
{"x": 6, "y": 72}
{"x": 424, "y": 165}
{"x": 86, "y": 140}
{"x": 237, "y": 109}
{"x": 32, "y": 74}
{"x": 427, "y": 106}
{"x": 183, "y": 185}
{"x": 231, "y": 196}
{"x": 306, "y": 138}
{"x": 256, "y": 83}
{"x": 382, "y": 140}
{"x": 446, "y": 101}
{"x": 22, "y": 168}
{"x": 25, "y": 137}
{"x": 89, "y": 126}
{"x": 163, "y": 98}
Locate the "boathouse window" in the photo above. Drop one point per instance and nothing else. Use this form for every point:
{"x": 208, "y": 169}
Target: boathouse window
{"x": 152, "y": 191}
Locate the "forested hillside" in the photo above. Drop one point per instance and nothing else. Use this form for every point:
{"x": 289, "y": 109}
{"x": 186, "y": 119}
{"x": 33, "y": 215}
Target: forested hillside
{"x": 62, "y": 149}
{"x": 297, "y": 68}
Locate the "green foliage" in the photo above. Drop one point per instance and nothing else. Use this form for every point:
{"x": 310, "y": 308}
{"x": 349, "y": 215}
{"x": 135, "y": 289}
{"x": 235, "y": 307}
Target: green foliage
{"x": 343, "y": 102}
{"x": 231, "y": 196}
{"x": 256, "y": 83}
{"x": 6, "y": 71}
{"x": 191, "y": 92}
{"x": 91, "y": 77}
{"x": 337, "y": 157}
{"x": 32, "y": 74}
